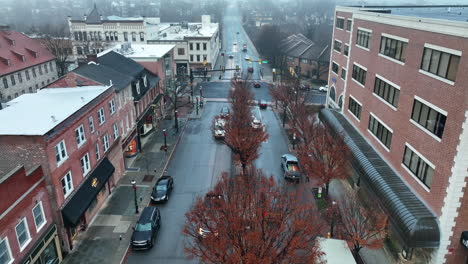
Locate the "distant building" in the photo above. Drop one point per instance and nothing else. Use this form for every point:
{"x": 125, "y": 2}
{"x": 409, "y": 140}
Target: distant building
{"x": 25, "y": 65}
{"x": 398, "y": 86}
{"x": 28, "y": 233}
{"x": 74, "y": 135}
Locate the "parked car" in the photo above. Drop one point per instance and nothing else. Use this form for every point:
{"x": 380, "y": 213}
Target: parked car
{"x": 144, "y": 232}
{"x": 323, "y": 88}
{"x": 224, "y": 112}
{"x": 244, "y": 47}
{"x": 247, "y": 57}
{"x": 231, "y": 56}
{"x": 305, "y": 87}
{"x": 250, "y": 69}
{"x": 257, "y": 124}
{"x": 218, "y": 129}
{"x": 257, "y": 85}
{"x": 162, "y": 189}
{"x": 290, "y": 165}
{"x": 263, "y": 104}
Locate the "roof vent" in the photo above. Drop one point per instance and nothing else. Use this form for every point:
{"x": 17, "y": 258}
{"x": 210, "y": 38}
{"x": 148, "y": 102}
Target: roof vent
{"x": 53, "y": 118}
{"x": 82, "y": 99}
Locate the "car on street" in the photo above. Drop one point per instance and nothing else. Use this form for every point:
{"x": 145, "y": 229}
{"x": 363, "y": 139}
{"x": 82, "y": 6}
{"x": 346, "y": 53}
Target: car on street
{"x": 244, "y": 47}
{"x": 263, "y": 104}
{"x": 235, "y": 43}
{"x": 231, "y": 56}
{"x": 305, "y": 87}
{"x": 145, "y": 230}
{"x": 257, "y": 85}
{"x": 323, "y": 88}
{"x": 257, "y": 118}
{"x": 218, "y": 129}
{"x": 290, "y": 165}
{"x": 162, "y": 189}
{"x": 257, "y": 124}
{"x": 224, "y": 112}
{"x": 247, "y": 57}
{"x": 250, "y": 69}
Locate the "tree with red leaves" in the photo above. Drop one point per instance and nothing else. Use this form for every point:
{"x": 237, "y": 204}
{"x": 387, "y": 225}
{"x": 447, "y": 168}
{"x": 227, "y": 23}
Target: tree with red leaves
{"x": 284, "y": 93}
{"x": 241, "y": 137}
{"x": 362, "y": 227}
{"x": 252, "y": 220}
{"x": 322, "y": 153}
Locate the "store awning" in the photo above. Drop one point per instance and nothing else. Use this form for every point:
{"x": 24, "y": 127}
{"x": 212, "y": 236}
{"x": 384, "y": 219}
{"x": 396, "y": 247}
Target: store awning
{"x": 415, "y": 223}
{"x": 81, "y": 200}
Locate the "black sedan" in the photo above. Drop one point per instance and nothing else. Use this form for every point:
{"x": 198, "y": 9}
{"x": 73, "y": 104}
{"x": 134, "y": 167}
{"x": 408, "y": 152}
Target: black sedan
{"x": 257, "y": 85}
{"x": 162, "y": 189}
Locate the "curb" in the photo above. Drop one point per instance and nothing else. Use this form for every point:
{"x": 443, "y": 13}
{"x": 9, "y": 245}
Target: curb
{"x": 127, "y": 251}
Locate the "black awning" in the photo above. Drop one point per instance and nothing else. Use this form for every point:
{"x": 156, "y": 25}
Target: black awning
{"x": 83, "y": 197}
{"x": 414, "y": 222}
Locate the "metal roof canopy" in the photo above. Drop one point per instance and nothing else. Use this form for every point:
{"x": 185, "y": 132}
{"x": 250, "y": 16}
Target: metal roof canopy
{"x": 414, "y": 222}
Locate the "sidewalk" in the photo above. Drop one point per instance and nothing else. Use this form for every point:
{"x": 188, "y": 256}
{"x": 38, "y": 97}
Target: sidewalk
{"x": 108, "y": 236}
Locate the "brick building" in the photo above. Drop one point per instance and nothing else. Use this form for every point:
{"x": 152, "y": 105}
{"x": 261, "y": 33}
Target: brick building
{"x": 28, "y": 233}
{"x": 73, "y": 133}
{"x": 25, "y": 65}
{"x": 398, "y": 87}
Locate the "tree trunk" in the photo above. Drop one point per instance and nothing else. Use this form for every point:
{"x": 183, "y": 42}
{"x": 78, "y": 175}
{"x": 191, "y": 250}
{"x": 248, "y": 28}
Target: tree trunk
{"x": 284, "y": 115}
{"x": 327, "y": 185}
{"x": 244, "y": 168}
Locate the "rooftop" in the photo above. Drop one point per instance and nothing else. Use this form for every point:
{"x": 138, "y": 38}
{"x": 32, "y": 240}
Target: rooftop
{"x": 18, "y": 51}
{"x": 134, "y": 51}
{"x": 180, "y": 31}
{"x": 444, "y": 12}
{"x": 50, "y": 108}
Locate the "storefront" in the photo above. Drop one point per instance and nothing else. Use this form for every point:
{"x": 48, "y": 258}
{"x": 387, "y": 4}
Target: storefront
{"x": 87, "y": 199}
{"x": 46, "y": 250}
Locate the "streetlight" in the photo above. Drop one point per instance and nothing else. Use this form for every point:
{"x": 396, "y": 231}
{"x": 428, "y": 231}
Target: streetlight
{"x": 176, "y": 121}
{"x": 165, "y": 140}
{"x": 135, "y": 193}
{"x": 294, "y": 141}
{"x": 332, "y": 224}
{"x": 201, "y": 92}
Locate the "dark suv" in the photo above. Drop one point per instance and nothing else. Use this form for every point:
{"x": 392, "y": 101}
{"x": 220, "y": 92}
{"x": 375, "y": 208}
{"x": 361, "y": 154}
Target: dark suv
{"x": 144, "y": 232}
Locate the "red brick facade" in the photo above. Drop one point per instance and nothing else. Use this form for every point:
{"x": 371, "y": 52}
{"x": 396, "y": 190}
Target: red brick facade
{"x": 451, "y": 98}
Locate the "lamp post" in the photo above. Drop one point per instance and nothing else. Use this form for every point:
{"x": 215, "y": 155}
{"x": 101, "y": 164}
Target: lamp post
{"x": 332, "y": 223}
{"x": 294, "y": 141}
{"x": 165, "y": 139}
{"x": 201, "y": 91}
{"x": 176, "y": 121}
{"x": 135, "y": 193}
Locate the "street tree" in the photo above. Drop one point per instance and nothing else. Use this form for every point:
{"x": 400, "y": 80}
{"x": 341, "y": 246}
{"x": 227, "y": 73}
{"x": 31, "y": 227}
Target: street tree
{"x": 323, "y": 153}
{"x": 252, "y": 220}
{"x": 241, "y": 137}
{"x": 283, "y": 93}
{"x": 362, "y": 226}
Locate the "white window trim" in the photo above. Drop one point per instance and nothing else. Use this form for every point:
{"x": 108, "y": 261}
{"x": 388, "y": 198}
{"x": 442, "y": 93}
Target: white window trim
{"x": 360, "y": 66}
{"x": 415, "y": 177}
{"x": 443, "y": 49}
{"x": 112, "y": 106}
{"x": 348, "y": 50}
{"x": 338, "y": 68}
{"x": 437, "y": 77}
{"x": 350, "y": 19}
{"x": 378, "y": 140}
{"x": 341, "y": 75}
{"x": 65, "y": 195}
{"x": 84, "y": 135}
{"x": 344, "y": 20}
{"x": 383, "y": 101}
{"x": 86, "y": 172}
{"x": 352, "y": 114}
{"x": 381, "y": 122}
{"x": 358, "y": 83}
{"x": 365, "y": 29}
{"x": 361, "y": 47}
{"x": 105, "y": 139}
{"x": 8, "y": 249}
{"x": 421, "y": 156}
{"x": 63, "y": 159}
{"x": 390, "y": 59}
{"x": 440, "y": 110}
{"x": 38, "y": 228}
{"x": 91, "y": 121}
{"x": 26, "y": 243}
{"x": 425, "y": 130}
{"x": 115, "y": 128}
{"x": 98, "y": 151}
{"x": 387, "y": 81}
{"x": 103, "y": 115}
{"x": 359, "y": 103}
{"x": 395, "y": 37}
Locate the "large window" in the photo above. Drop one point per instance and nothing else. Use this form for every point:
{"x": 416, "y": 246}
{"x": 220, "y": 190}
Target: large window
{"x": 67, "y": 184}
{"x": 363, "y": 38}
{"x": 380, "y": 131}
{"x": 418, "y": 166}
{"x": 429, "y": 118}
{"x": 80, "y": 135}
{"x": 337, "y": 45}
{"x": 101, "y": 116}
{"x": 85, "y": 164}
{"x": 335, "y": 67}
{"x": 355, "y": 108}
{"x": 39, "y": 217}
{"x": 440, "y": 63}
{"x": 5, "y": 251}
{"x": 359, "y": 74}
{"x": 393, "y": 48}
{"x": 340, "y": 23}
{"x": 386, "y": 91}
{"x": 61, "y": 152}
{"x": 22, "y": 233}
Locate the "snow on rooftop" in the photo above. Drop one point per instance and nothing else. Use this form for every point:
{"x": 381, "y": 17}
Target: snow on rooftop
{"x": 118, "y": 18}
{"x": 37, "y": 113}
{"x": 173, "y": 31}
{"x": 141, "y": 50}
{"x": 336, "y": 251}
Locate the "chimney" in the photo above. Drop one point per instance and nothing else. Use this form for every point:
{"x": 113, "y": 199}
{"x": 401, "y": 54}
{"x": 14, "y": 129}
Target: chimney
{"x": 91, "y": 58}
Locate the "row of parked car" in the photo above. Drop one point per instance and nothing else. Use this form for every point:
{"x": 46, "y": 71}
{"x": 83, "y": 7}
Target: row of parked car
{"x": 219, "y": 131}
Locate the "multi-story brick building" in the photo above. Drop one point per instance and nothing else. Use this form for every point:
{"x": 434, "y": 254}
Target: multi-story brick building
{"x": 28, "y": 233}
{"x": 73, "y": 133}
{"x": 398, "y": 82}
{"x": 25, "y": 65}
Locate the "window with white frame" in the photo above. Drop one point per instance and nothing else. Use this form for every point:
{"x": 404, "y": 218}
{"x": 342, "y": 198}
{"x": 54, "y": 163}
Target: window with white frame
{"x": 339, "y": 23}
{"x": 105, "y": 142}
{"x": 39, "y": 216}
{"x": 349, "y": 24}
{"x": 98, "y": 153}
{"x": 5, "y": 251}
{"x": 116, "y": 131}
{"x": 429, "y": 118}
{"x": 335, "y": 67}
{"x": 359, "y": 74}
{"x": 363, "y": 38}
{"x": 101, "y": 116}
{"x": 61, "y": 152}
{"x": 112, "y": 106}
{"x": 442, "y": 64}
{"x": 85, "y": 164}
{"x": 343, "y": 73}
{"x": 22, "y": 233}
{"x": 386, "y": 91}
{"x": 418, "y": 166}
{"x": 91, "y": 124}
{"x": 346, "y": 50}
{"x": 380, "y": 131}
{"x": 67, "y": 184}
{"x": 393, "y": 48}
{"x": 337, "y": 45}
{"x": 80, "y": 135}
{"x": 355, "y": 108}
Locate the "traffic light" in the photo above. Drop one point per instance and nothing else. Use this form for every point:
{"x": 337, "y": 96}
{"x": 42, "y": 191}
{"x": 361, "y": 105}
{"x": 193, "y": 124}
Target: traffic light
{"x": 223, "y": 69}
